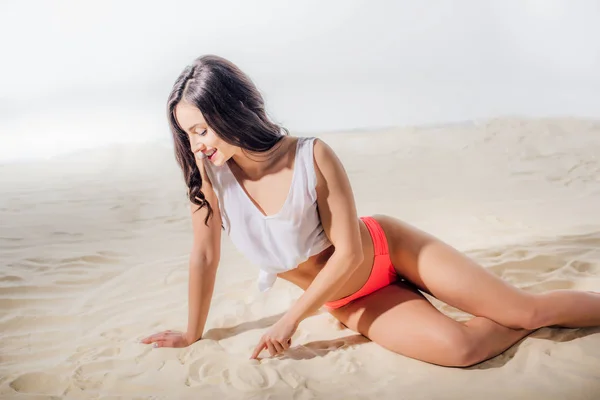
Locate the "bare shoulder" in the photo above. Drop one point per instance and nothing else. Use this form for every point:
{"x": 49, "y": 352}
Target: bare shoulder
{"x": 327, "y": 164}
{"x": 335, "y": 200}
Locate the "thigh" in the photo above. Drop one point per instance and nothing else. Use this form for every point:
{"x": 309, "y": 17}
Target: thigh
{"x": 402, "y": 320}
{"x": 452, "y": 277}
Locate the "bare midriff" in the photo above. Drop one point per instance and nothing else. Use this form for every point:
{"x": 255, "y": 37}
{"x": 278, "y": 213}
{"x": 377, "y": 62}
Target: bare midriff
{"x": 305, "y": 273}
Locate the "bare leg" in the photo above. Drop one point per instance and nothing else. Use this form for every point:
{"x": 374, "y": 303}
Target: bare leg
{"x": 569, "y": 308}
{"x": 402, "y": 320}
{"x": 492, "y": 337}
{"x": 455, "y": 279}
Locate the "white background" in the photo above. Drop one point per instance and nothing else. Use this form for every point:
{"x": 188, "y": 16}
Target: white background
{"x": 80, "y": 74}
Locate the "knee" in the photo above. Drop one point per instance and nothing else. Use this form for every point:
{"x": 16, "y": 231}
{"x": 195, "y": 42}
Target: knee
{"x": 460, "y": 350}
{"x": 530, "y": 314}
{"x": 454, "y": 347}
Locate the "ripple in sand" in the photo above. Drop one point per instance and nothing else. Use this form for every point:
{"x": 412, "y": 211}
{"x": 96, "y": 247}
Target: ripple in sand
{"x": 91, "y": 259}
{"x": 25, "y": 324}
{"x": 101, "y": 257}
{"x": 545, "y": 265}
{"x": 41, "y": 291}
{"x": 45, "y": 303}
{"x": 12, "y": 239}
{"x": 11, "y": 278}
{"x": 586, "y": 268}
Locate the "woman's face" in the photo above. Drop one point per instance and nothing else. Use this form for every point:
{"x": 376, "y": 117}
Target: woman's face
{"x": 204, "y": 142}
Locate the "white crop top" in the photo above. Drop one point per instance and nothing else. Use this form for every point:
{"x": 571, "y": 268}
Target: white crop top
{"x": 279, "y": 242}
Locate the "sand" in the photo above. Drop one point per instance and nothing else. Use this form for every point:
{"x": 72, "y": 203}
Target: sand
{"x": 94, "y": 250}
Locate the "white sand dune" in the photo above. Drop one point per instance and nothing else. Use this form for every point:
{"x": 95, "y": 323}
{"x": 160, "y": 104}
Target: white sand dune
{"x": 94, "y": 251}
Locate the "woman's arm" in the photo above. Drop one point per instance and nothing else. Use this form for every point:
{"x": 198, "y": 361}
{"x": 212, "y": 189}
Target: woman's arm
{"x": 337, "y": 210}
{"x": 339, "y": 218}
{"x": 204, "y": 260}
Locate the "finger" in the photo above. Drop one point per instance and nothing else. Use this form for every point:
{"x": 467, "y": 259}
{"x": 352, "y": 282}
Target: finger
{"x": 286, "y": 344}
{"x": 158, "y": 337}
{"x": 278, "y": 346}
{"x": 153, "y": 338}
{"x": 271, "y": 348}
{"x": 158, "y": 343}
{"x": 149, "y": 339}
{"x": 261, "y": 346}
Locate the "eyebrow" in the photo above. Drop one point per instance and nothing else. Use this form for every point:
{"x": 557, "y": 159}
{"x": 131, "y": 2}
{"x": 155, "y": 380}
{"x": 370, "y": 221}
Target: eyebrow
{"x": 193, "y": 126}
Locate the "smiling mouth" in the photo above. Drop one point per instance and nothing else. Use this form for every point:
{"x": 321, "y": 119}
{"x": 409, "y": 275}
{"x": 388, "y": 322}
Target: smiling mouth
{"x": 208, "y": 155}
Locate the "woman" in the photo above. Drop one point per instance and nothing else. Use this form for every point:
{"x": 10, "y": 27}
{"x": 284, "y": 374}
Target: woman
{"x": 287, "y": 204}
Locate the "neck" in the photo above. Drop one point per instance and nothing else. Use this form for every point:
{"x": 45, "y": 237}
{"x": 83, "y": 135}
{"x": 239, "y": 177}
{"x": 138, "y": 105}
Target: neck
{"x": 254, "y": 166}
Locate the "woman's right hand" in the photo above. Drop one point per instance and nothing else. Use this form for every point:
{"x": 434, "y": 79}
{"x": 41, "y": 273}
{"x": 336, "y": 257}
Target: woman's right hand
{"x": 168, "y": 338}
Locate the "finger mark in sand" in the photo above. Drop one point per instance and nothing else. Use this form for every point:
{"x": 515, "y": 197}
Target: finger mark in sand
{"x": 347, "y": 364}
{"x": 291, "y": 377}
{"x": 92, "y": 375}
{"x": 142, "y": 356}
{"x": 39, "y": 382}
{"x": 96, "y": 368}
{"x": 209, "y": 369}
{"x": 248, "y": 378}
{"x": 92, "y": 352}
{"x": 303, "y": 393}
{"x": 111, "y": 352}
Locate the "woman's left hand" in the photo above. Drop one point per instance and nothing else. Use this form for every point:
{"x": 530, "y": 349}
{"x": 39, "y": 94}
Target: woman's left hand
{"x": 277, "y": 339}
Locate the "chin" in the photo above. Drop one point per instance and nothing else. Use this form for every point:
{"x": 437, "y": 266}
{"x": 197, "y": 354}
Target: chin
{"x": 219, "y": 162}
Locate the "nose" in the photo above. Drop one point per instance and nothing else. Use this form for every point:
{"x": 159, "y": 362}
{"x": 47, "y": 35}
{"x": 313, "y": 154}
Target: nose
{"x": 197, "y": 145}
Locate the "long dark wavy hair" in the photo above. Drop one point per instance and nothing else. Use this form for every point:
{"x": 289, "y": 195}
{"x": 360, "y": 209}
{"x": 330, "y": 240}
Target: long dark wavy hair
{"x": 231, "y": 105}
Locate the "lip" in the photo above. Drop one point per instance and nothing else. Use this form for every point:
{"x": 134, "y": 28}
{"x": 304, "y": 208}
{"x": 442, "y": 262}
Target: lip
{"x": 202, "y": 154}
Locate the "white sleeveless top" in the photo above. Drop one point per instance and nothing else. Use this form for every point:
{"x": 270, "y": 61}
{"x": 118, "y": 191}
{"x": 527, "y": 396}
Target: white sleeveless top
{"x": 279, "y": 242}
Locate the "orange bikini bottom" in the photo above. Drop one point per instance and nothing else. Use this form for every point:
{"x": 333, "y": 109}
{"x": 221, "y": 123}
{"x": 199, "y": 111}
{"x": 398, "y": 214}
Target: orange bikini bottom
{"x": 382, "y": 273}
